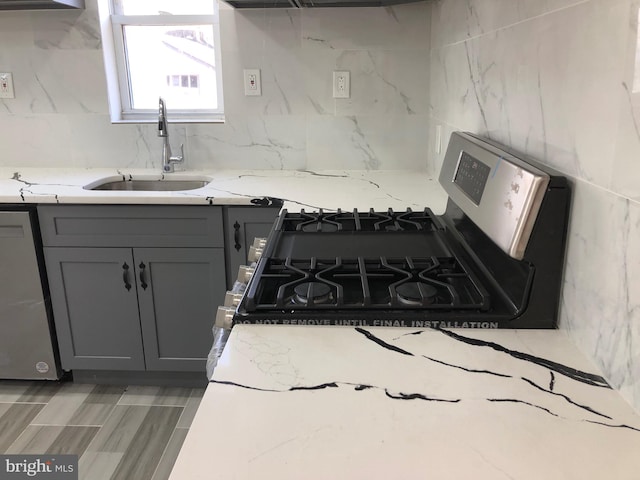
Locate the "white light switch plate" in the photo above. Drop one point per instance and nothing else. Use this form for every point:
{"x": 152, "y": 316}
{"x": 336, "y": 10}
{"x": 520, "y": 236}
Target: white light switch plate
{"x": 6, "y": 85}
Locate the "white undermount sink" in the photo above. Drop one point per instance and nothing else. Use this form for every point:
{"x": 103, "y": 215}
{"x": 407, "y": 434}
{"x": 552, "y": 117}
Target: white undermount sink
{"x": 141, "y": 183}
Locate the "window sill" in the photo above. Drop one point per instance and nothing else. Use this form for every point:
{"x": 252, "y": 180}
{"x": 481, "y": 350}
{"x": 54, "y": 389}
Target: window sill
{"x": 171, "y": 119}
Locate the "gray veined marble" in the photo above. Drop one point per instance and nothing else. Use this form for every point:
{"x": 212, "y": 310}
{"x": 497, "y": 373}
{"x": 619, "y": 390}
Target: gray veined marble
{"x": 401, "y": 402}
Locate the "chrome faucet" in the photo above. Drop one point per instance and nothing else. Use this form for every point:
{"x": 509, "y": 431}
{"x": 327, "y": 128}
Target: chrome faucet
{"x": 168, "y": 160}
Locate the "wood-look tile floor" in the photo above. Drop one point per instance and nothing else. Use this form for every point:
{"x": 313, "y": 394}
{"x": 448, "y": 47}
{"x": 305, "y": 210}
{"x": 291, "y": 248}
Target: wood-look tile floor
{"x": 118, "y": 433}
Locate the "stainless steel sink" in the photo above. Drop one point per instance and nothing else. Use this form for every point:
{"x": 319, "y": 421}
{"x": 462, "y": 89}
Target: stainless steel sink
{"x": 148, "y": 185}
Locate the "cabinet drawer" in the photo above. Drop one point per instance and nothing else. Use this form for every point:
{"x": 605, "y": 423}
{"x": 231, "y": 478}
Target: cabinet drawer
{"x": 131, "y": 226}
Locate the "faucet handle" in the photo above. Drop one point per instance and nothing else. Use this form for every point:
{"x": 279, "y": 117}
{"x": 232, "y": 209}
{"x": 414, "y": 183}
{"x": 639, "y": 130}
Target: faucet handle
{"x": 178, "y": 158}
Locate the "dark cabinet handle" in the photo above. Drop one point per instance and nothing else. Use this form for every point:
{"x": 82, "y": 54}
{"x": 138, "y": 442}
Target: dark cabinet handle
{"x": 236, "y": 236}
{"x": 143, "y": 283}
{"x": 125, "y": 276}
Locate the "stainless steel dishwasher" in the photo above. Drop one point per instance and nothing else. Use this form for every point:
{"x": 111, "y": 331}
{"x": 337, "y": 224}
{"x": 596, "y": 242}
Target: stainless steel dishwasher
{"x": 27, "y": 337}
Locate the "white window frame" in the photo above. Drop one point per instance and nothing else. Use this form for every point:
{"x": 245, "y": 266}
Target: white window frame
{"x": 113, "y": 47}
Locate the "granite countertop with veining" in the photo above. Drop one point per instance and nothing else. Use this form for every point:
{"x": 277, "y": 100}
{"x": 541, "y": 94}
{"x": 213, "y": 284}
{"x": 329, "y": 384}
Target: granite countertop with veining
{"x": 329, "y": 190}
{"x": 293, "y": 402}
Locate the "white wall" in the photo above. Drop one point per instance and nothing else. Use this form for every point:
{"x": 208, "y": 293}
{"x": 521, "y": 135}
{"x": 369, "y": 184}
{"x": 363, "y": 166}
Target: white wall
{"x": 60, "y": 115}
{"x": 553, "y": 79}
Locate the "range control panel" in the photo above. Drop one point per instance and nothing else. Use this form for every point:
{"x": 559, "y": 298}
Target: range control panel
{"x": 499, "y": 192}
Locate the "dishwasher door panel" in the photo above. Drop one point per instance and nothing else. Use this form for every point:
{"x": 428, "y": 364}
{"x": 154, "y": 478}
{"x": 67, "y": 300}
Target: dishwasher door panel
{"x": 26, "y": 345}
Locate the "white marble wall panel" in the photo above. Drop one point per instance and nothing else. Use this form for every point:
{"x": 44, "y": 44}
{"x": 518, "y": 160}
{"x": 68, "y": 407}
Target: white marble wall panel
{"x": 554, "y": 80}
{"x": 16, "y": 29}
{"x": 68, "y": 29}
{"x": 601, "y": 298}
{"x": 625, "y": 178}
{"x": 459, "y": 20}
{"x": 271, "y": 41}
{"x": 59, "y": 82}
{"x": 82, "y": 141}
{"x": 261, "y": 29}
{"x": 95, "y": 141}
{"x": 56, "y": 60}
{"x": 368, "y": 142}
{"x": 282, "y": 80}
{"x": 389, "y": 28}
{"x": 539, "y": 85}
{"x": 49, "y": 148}
{"x": 261, "y": 142}
{"x": 384, "y": 49}
{"x": 382, "y": 81}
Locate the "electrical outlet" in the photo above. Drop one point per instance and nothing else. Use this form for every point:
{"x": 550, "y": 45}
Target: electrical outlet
{"x": 6, "y": 85}
{"x": 252, "y": 85}
{"x": 341, "y": 87}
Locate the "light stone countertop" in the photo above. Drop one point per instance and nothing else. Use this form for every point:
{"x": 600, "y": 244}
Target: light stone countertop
{"x": 293, "y": 402}
{"x": 346, "y": 189}
{"x": 303, "y": 402}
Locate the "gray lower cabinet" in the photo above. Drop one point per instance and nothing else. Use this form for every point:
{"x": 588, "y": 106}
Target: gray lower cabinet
{"x": 134, "y": 288}
{"x": 243, "y": 224}
{"x": 134, "y": 309}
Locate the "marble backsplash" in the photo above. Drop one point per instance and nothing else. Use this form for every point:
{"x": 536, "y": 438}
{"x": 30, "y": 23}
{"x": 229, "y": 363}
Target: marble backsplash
{"x": 554, "y": 79}
{"x": 60, "y": 114}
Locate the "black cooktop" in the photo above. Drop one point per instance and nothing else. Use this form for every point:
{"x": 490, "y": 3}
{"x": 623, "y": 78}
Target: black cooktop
{"x": 365, "y": 266}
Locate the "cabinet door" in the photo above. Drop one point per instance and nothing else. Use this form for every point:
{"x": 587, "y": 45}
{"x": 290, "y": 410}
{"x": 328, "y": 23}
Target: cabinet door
{"x": 93, "y": 292}
{"x": 179, "y": 290}
{"x": 243, "y": 224}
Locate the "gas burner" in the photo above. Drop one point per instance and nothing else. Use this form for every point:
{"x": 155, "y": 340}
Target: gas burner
{"x": 416, "y": 293}
{"x": 312, "y": 293}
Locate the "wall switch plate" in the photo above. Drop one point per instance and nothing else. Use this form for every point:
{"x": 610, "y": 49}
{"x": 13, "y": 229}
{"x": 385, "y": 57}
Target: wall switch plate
{"x": 341, "y": 87}
{"x": 252, "y": 84}
{"x": 6, "y": 85}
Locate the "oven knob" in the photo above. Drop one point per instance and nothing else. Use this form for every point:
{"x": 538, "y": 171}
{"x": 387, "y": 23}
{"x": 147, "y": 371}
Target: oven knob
{"x": 256, "y": 249}
{"x": 224, "y": 317}
{"x": 259, "y": 242}
{"x": 254, "y": 254}
{"x": 232, "y": 299}
{"x": 245, "y": 273}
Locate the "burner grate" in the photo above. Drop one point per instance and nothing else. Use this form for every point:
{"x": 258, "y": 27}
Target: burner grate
{"x": 371, "y": 221}
{"x": 366, "y": 283}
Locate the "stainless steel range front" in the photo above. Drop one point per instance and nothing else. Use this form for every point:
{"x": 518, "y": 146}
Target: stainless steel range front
{"x": 494, "y": 259}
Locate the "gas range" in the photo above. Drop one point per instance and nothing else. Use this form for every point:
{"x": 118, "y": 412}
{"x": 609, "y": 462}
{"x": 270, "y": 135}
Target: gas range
{"x": 494, "y": 259}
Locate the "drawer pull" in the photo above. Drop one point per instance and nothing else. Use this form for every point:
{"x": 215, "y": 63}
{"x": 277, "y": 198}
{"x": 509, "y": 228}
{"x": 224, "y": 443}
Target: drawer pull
{"x": 125, "y": 276}
{"x": 143, "y": 283}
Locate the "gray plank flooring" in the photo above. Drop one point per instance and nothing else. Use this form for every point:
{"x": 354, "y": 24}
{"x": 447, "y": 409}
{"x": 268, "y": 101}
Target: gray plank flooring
{"x": 117, "y": 432}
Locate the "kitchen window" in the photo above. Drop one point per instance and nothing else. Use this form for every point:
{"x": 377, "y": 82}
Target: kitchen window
{"x": 164, "y": 48}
